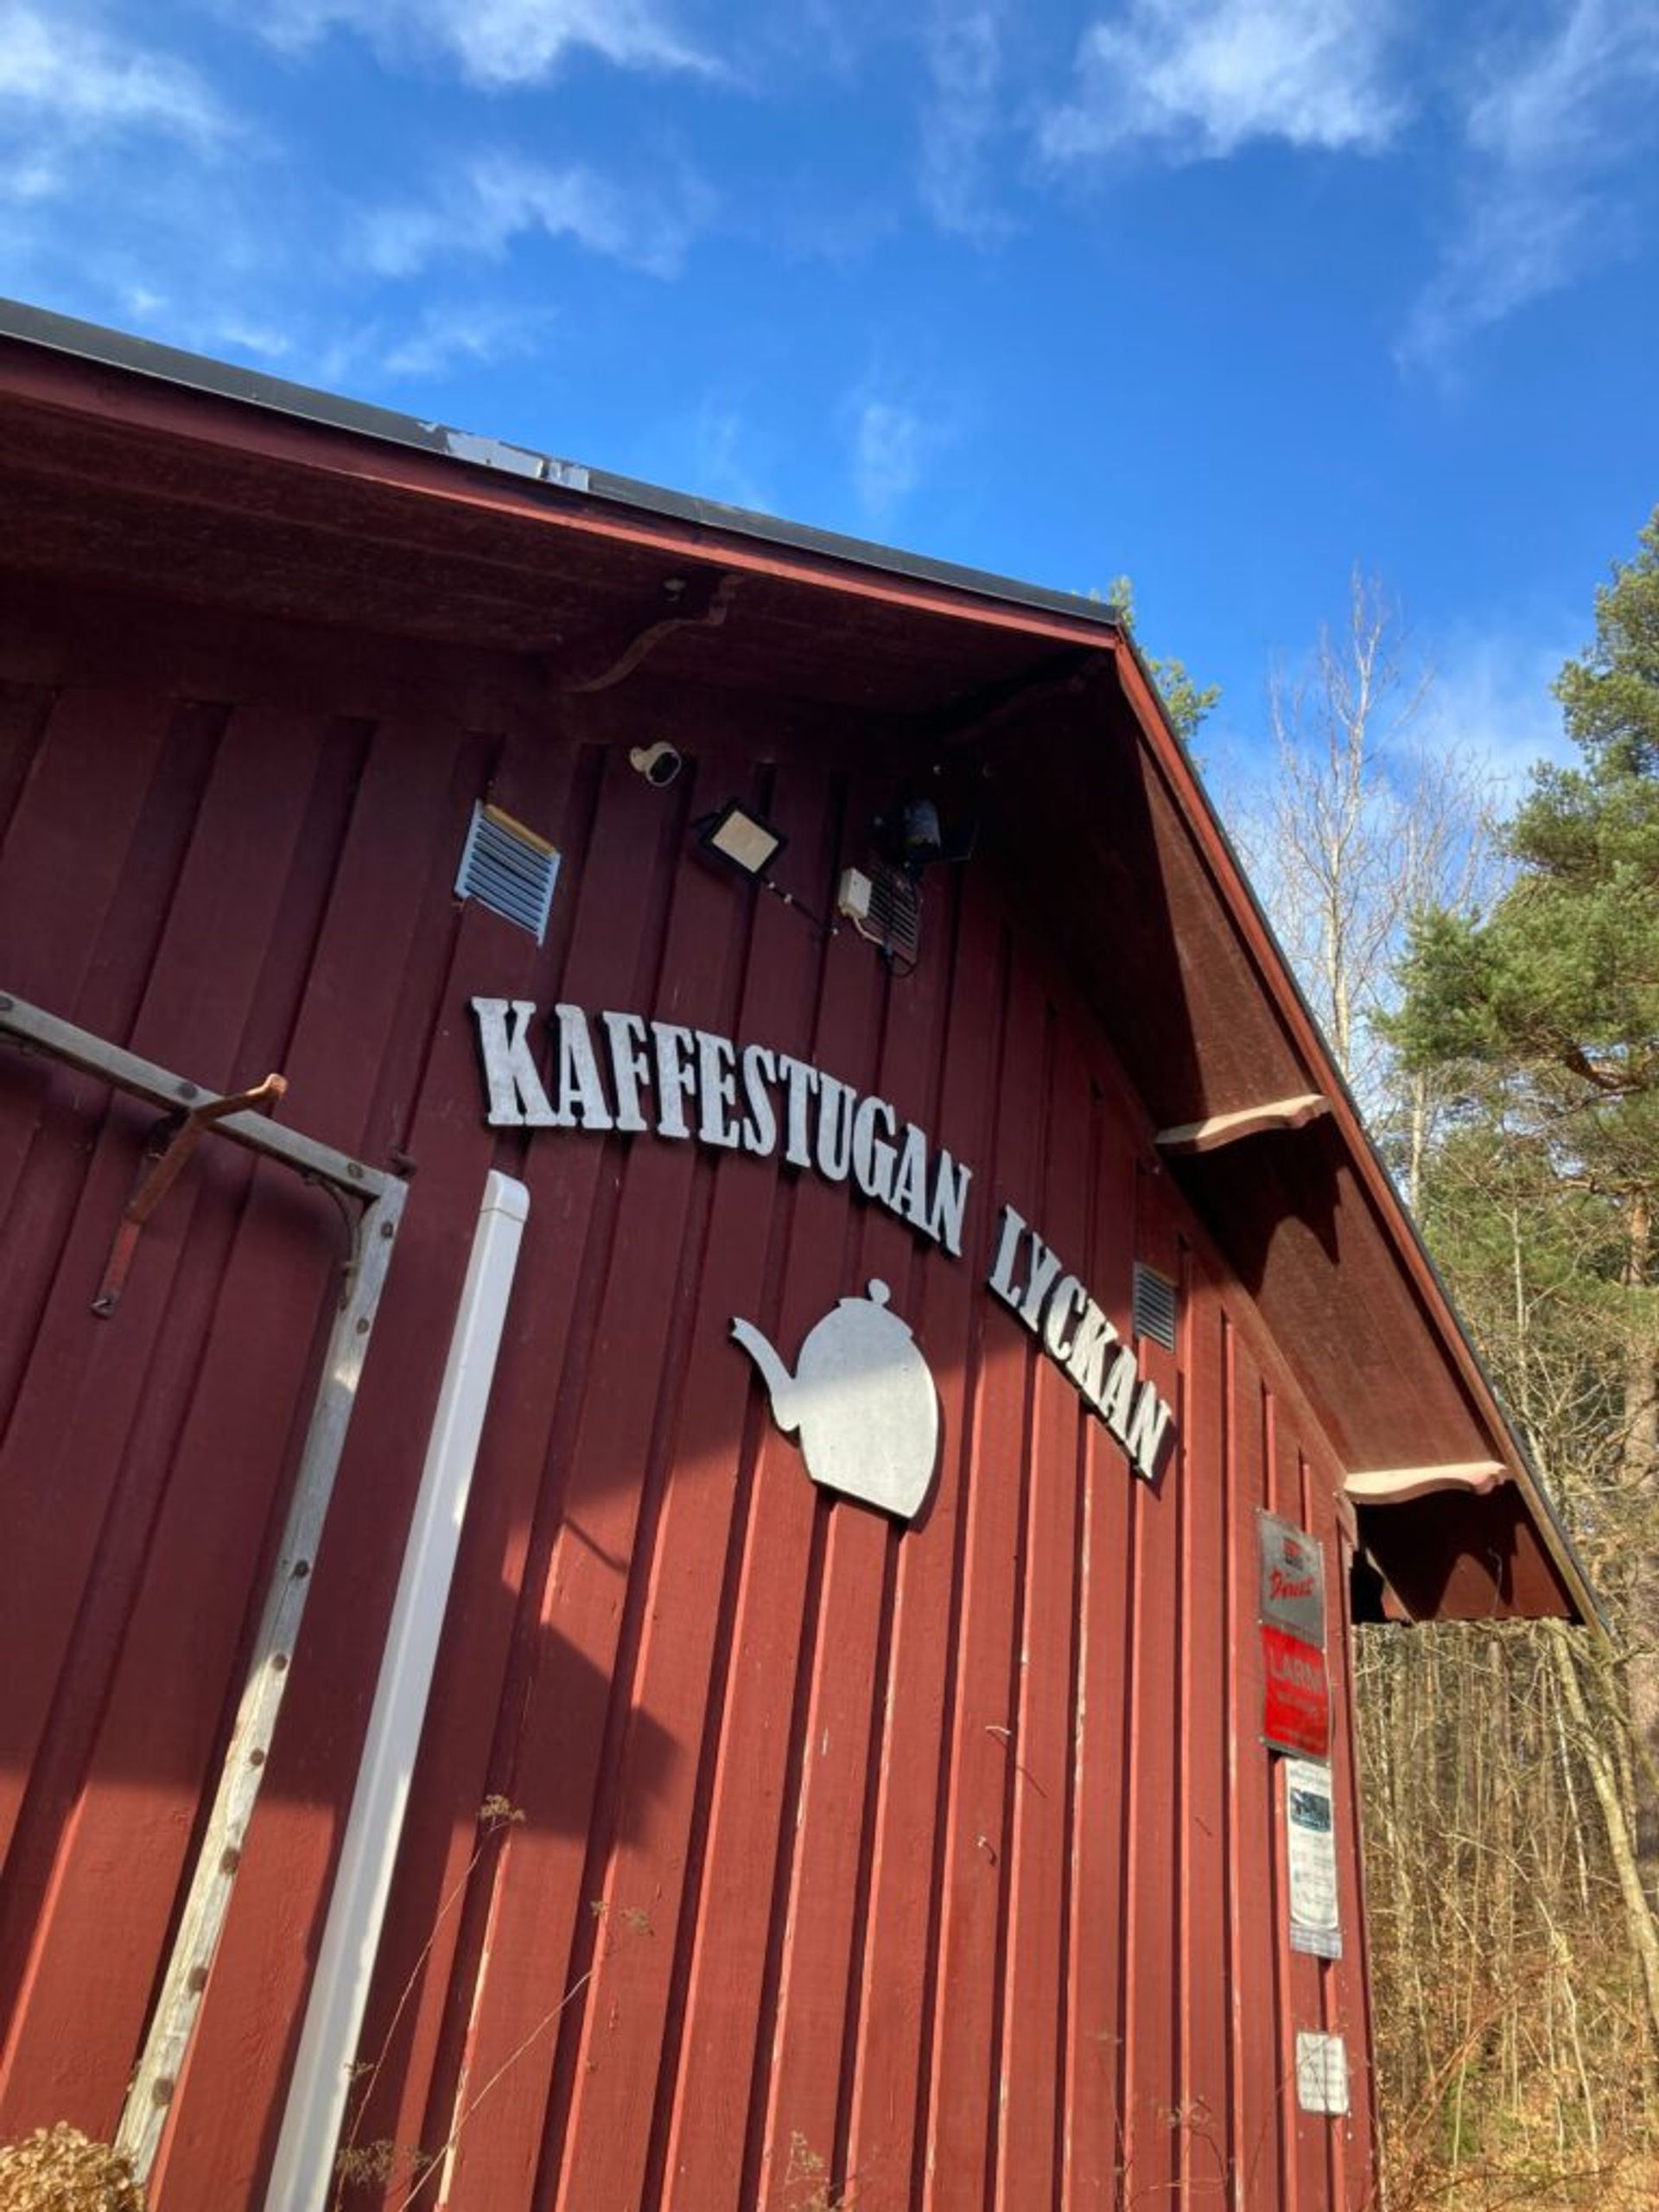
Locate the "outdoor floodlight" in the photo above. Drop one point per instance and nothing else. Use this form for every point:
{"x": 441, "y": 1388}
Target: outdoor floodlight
{"x": 742, "y": 839}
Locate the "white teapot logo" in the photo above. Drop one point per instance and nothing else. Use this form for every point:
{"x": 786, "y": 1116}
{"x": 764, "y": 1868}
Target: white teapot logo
{"x": 862, "y": 1399}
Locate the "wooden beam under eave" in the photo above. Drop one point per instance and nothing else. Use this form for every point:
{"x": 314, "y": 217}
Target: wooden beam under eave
{"x": 1395, "y": 1485}
{"x": 1249, "y": 1121}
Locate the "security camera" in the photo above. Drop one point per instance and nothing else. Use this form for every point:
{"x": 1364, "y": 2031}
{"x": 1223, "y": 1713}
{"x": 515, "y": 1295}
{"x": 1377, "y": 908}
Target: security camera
{"x": 657, "y": 764}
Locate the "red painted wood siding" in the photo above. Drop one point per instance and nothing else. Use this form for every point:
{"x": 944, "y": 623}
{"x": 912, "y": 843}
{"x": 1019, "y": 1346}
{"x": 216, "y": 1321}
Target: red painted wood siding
{"x": 929, "y": 1868}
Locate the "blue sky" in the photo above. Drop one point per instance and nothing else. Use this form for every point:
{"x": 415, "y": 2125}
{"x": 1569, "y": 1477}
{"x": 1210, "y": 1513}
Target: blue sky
{"x": 1230, "y": 294}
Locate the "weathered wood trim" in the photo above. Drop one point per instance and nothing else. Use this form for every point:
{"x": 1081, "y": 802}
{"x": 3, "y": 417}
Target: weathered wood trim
{"x": 1397, "y": 1485}
{"x": 1248, "y": 1122}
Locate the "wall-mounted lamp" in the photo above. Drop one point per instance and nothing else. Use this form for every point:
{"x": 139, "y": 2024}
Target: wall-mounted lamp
{"x": 920, "y": 834}
{"x": 916, "y": 831}
{"x": 739, "y": 838}
{"x": 743, "y": 839}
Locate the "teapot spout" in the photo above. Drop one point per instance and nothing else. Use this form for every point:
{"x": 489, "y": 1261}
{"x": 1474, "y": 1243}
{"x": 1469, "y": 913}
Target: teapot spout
{"x": 776, "y": 1376}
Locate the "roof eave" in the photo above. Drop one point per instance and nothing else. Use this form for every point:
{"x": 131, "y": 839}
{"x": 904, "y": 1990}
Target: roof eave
{"x": 819, "y": 557}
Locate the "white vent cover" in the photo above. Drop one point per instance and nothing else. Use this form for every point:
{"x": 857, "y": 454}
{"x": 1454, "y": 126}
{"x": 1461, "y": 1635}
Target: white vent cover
{"x": 1155, "y": 1307}
{"x": 509, "y": 869}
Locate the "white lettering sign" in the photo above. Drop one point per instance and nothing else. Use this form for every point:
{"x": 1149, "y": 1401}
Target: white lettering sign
{"x": 702, "y": 1084}
{"x": 621, "y": 1072}
{"x": 1074, "y": 1331}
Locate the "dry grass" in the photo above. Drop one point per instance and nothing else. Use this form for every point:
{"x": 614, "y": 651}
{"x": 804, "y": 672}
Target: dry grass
{"x": 1630, "y": 2184}
{"x": 60, "y": 2170}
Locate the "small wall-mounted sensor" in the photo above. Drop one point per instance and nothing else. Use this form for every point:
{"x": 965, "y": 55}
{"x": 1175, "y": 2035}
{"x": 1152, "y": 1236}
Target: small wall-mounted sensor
{"x": 659, "y": 764}
{"x": 853, "y": 899}
{"x": 884, "y": 904}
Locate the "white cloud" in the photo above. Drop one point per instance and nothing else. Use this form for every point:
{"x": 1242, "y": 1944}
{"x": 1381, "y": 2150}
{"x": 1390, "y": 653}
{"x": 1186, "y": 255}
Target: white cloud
{"x": 500, "y": 198}
{"x": 1491, "y": 702}
{"x": 33, "y": 173}
{"x": 498, "y": 43}
{"x": 1518, "y": 242}
{"x": 723, "y": 460}
{"x": 62, "y": 82}
{"x": 110, "y": 153}
{"x": 1556, "y": 134}
{"x": 1559, "y": 103}
{"x": 312, "y": 343}
{"x": 964, "y": 50}
{"x": 1197, "y": 80}
{"x": 203, "y": 319}
{"x": 461, "y": 334}
{"x": 891, "y": 441}
{"x": 246, "y": 334}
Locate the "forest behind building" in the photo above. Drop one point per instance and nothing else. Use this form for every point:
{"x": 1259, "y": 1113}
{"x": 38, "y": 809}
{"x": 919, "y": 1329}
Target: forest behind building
{"x": 1486, "y": 963}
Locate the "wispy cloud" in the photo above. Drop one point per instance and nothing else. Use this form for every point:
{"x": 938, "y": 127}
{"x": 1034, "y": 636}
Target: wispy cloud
{"x": 197, "y": 319}
{"x": 963, "y": 114}
{"x": 112, "y": 151}
{"x": 1557, "y": 133}
{"x": 501, "y": 197}
{"x": 66, "y": 84}
{"x": 891, "y": 441}
{"x": 1198, "y": 79}
{"x": 727, "y": 458}
{"x": 318, "y": 344}
{"x": 498, "y": 43}
{"x": 1557, "y": 102}
{"x": 1491, "y": 702}
{"x": 463, "y": 333}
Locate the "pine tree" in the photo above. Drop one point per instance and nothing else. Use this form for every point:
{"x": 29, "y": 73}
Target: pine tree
{"x": 1550, "y": 1008}
{"x": 1185, "y": 703}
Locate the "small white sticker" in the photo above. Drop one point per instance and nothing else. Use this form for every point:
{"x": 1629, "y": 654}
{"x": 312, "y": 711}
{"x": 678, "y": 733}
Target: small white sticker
{"x": 1315, "y": 1924}
{"x": 1321, "y": 2073}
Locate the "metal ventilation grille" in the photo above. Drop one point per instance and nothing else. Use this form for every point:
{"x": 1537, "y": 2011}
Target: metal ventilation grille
{"x": 509, "y": 869}
{"x": 885, "y": 906}
{"x": 1155, "y": 1307}
{"x": 896, "y": 913}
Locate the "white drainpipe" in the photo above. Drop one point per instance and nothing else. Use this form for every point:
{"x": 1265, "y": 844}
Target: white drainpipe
{"x": 303, "y": 2175}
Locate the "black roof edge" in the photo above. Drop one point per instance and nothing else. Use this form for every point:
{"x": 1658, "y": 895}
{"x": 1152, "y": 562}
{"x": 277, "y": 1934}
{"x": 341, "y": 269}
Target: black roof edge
{"x": 93, "y": 342}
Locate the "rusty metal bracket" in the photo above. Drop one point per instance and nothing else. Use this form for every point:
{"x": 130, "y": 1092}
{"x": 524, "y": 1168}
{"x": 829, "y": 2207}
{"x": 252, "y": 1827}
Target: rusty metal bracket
{"x": 701, "y": 603}
{"x": 165, "y": 1166}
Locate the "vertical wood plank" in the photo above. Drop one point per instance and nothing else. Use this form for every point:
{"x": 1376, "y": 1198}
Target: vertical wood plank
{"x": 821, "y": 2015}
{"x": 1152, "y": 1951}
{"x": 971, "y": 1868}
{"x": 1298, "y": 1990}
{"x": 1262, "y": 2129}
{"x": 1352, "y": 2010}
{"x": 547, "y": 1882}
{"x": 1037, "y": 1749}
{"x": 883, "y": 2152}
{"x": 1096, "y": 2020}
{"x": 1208, "y": 2150}
{"x": 621, "y": 2069}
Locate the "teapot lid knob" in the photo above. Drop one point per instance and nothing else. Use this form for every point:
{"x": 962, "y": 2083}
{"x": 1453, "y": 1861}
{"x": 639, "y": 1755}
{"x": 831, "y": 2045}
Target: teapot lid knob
{"x": 879, "y": 1292}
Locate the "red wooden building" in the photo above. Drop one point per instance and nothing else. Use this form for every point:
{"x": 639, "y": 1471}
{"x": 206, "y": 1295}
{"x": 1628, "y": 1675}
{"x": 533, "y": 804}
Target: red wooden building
{"x": 820, "y": 1760}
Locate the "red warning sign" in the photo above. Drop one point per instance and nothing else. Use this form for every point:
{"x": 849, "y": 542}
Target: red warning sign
{"x": 1296, "y": 1705}
{"x": 1296, "y": 1713}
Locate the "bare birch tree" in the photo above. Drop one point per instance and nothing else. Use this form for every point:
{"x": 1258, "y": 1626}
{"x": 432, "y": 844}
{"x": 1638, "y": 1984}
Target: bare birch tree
{"x": 1365, "y": 821}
